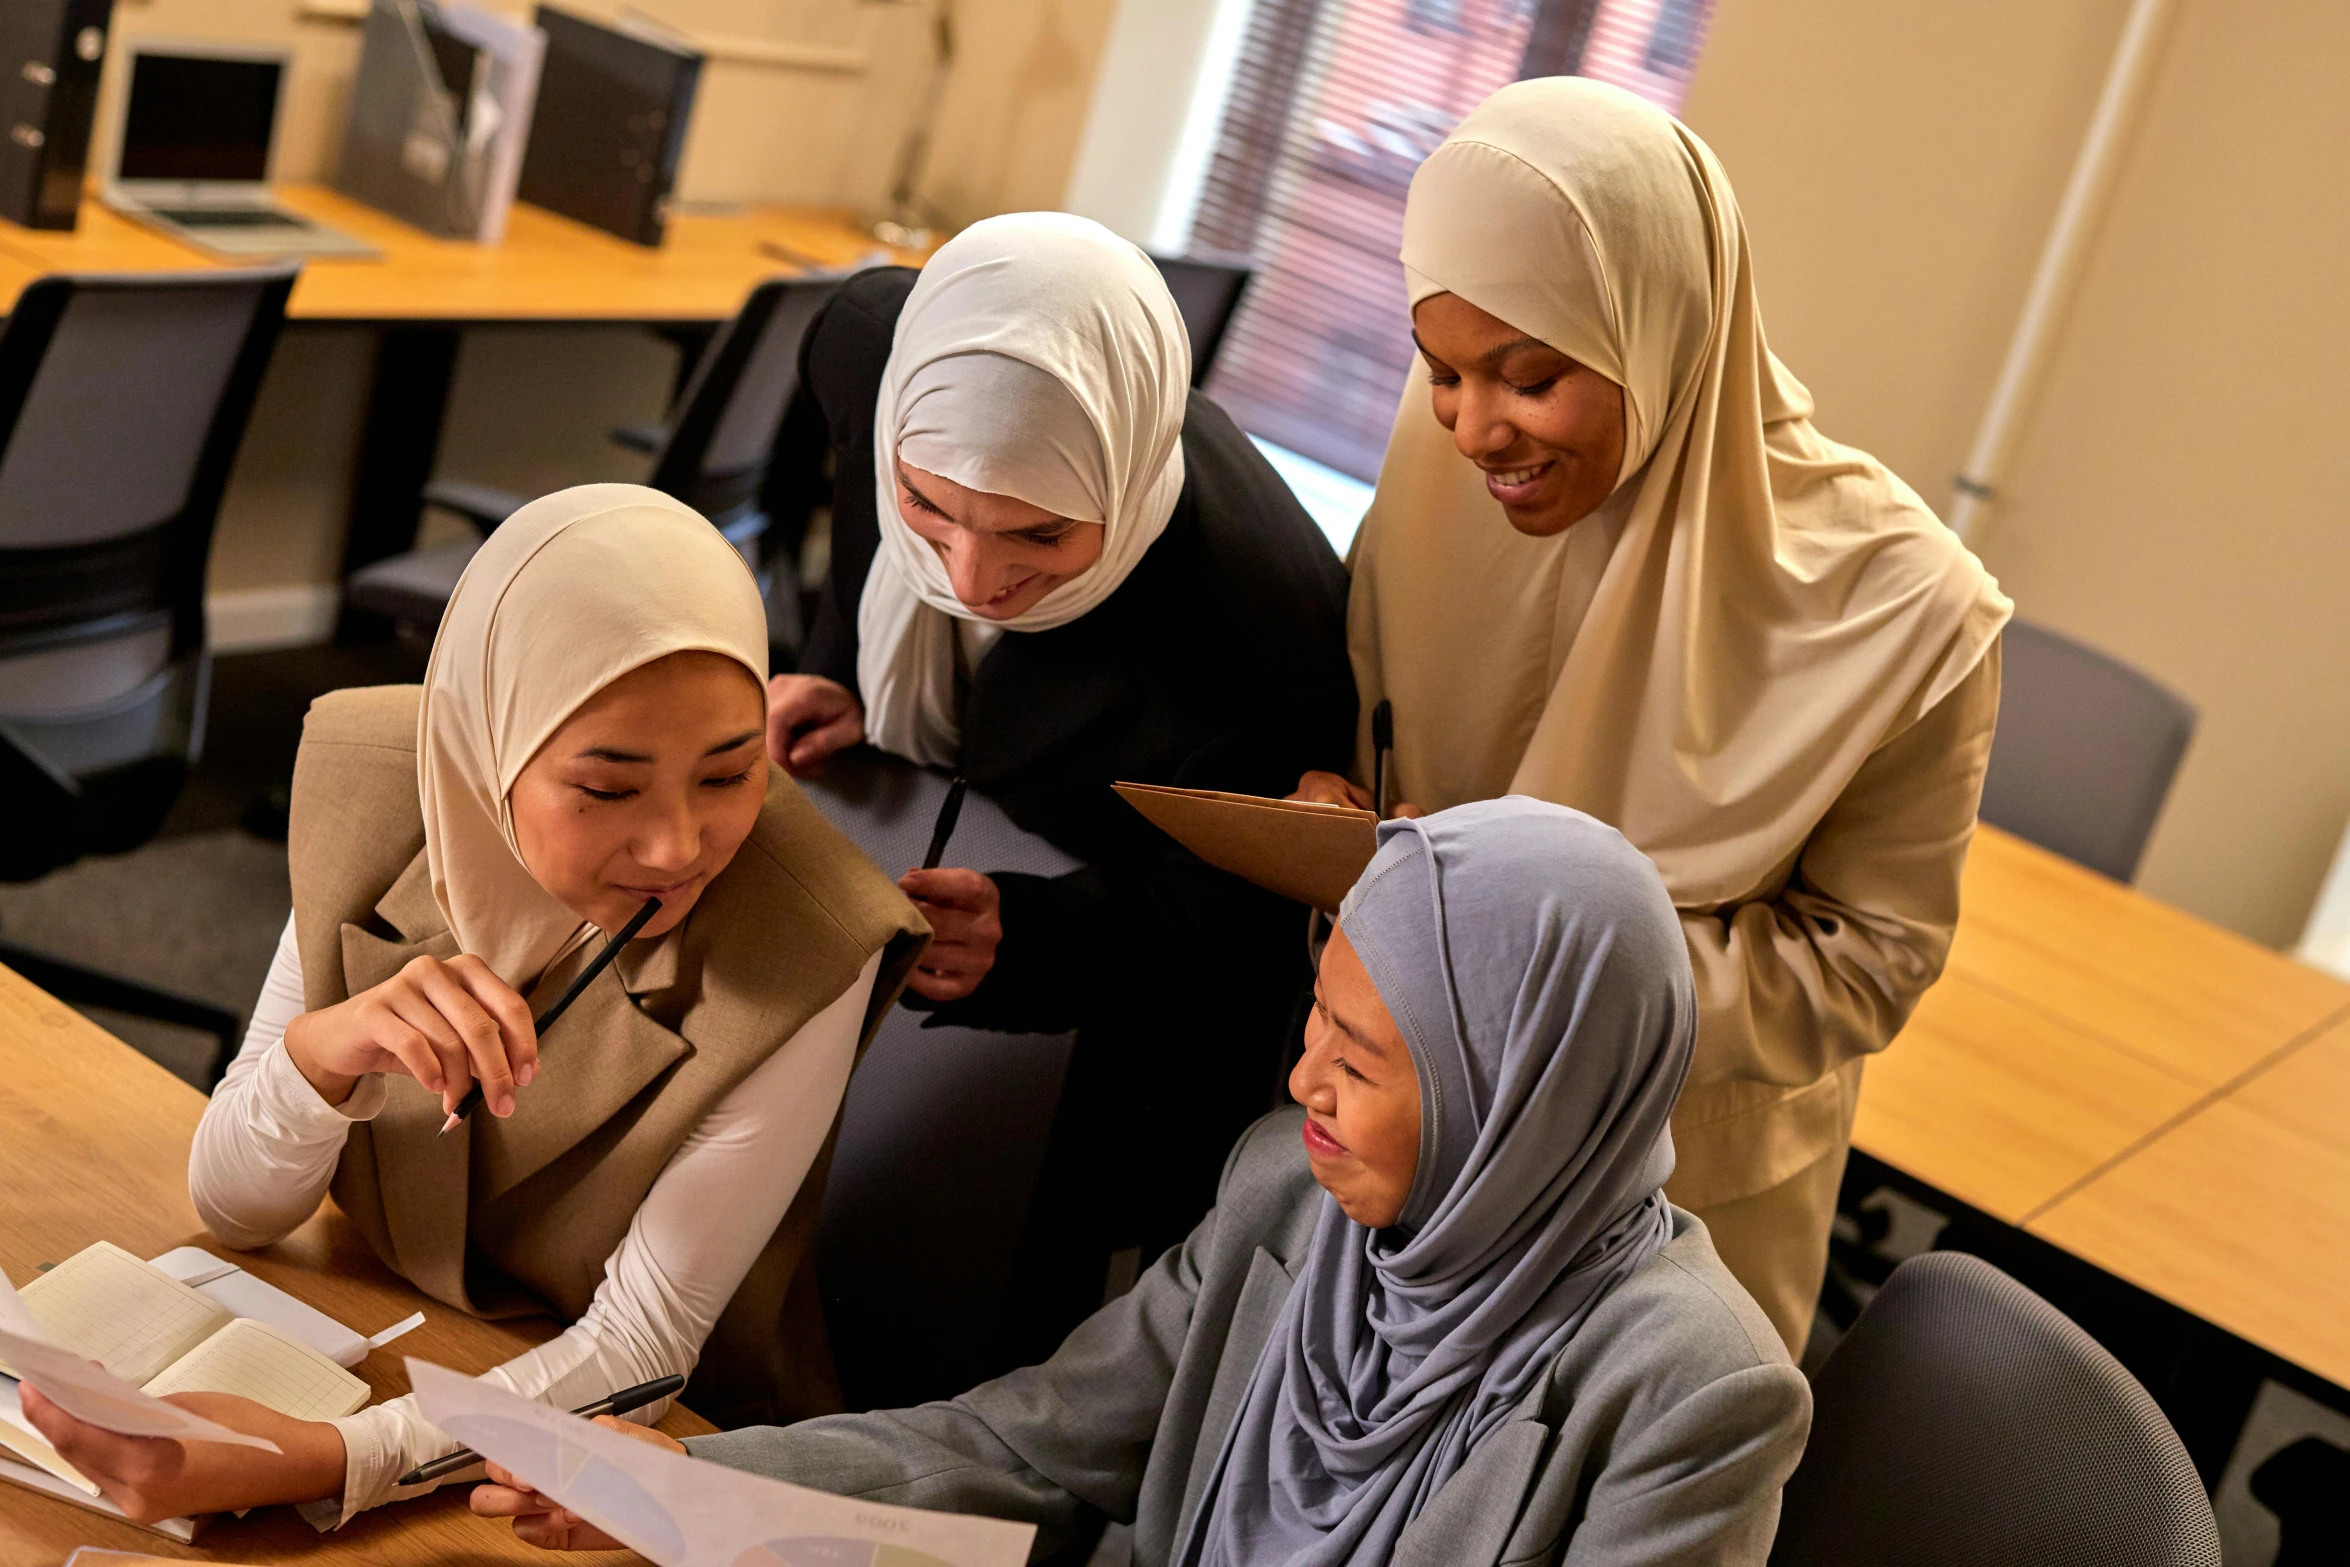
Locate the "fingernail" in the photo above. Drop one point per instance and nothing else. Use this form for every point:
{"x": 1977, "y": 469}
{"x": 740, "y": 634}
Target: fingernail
{"x": 503, "y": 1106}
{"x": 530, "y": 1069}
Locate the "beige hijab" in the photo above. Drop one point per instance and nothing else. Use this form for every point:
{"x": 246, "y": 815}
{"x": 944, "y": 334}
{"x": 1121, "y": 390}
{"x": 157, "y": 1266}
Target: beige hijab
{"x": 1706, "y": 661}
{"x": 572, "y": 592}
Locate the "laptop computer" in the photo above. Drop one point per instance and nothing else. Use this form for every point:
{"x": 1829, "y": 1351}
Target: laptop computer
{"x": 193, "y": 135}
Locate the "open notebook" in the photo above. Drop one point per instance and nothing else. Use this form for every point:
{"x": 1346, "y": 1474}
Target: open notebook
{"x": 155, "y": 1332}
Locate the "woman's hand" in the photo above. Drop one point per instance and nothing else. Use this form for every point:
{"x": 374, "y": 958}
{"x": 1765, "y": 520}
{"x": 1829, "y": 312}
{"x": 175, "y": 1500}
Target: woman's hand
{"x": 965, "y": 912}
{"x": 809, "y": 718}
{"x": 541, "y": 1520}
{"x": 444, "y": 1024}
{"x": 1330, "y": 789}
{"x": 154, "y": 1477}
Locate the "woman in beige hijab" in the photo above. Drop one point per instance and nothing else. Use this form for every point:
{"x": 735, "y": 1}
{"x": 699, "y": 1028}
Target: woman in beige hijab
{"x": 1612, "y": 564}
{"x": 590, "y": 734}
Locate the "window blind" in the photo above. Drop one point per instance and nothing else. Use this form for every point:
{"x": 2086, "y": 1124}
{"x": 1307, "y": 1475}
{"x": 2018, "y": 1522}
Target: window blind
{"x": 1333, "y": 105}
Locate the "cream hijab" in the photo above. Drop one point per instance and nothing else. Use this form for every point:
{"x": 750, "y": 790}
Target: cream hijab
{"x": 570, "y": 593}
{"x": 1039, "y": 356}
{"x": 1706, "y": 661}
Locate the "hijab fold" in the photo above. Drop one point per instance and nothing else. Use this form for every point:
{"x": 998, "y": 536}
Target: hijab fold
{"x": 1707, "y": 661}
{"x": 570, "y": 593}
{"x": 1536, "y": 969}
{"x": 1038, "y": 356}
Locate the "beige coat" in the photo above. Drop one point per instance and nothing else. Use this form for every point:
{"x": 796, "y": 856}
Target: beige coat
{"x": 520, "y": 1215}
{"x": 1804, "y": 977}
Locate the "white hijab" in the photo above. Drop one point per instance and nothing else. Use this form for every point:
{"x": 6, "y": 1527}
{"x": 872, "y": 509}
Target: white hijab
{"x": 572, "y": 592}
{"x": 1039, "y": 356}
{"x": 1705, "y": 662}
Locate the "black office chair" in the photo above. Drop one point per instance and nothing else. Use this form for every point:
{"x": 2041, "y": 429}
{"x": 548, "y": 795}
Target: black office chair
{"x": 122, "y": 403}
{"x": 1965, "y": 1422}
{"x": 1207, "y": 287}
{"x": 713, "y": 455}
{"x": 2086, "y": 750}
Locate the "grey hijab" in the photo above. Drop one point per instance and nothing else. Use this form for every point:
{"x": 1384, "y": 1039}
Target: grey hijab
{"x": 1533, "y": 961}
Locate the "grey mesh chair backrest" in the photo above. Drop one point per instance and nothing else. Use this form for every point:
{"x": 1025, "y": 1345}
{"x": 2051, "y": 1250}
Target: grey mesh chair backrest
{"x": 1965, "y": 1422}
{"x": 722, "y": 432}
{"x": 2086, "y": 750}
{"x": 1207, "y": 289}
{"x": 122, "y": 402}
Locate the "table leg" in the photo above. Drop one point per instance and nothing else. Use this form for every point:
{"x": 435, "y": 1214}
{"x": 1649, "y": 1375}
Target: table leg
{"x": 414, "y": 366}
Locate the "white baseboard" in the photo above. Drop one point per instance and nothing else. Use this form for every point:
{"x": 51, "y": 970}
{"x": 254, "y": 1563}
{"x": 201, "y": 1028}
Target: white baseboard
{"x": 251, "y": 620}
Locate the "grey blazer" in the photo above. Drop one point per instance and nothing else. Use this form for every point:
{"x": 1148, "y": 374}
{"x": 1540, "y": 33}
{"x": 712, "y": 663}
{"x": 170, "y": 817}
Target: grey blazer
{"x": 1661, "y": 1435}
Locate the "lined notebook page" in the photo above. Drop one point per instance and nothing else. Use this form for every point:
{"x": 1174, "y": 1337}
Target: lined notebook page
{"x": 256, "y": 1361}
{"x": 132, "y": 1318}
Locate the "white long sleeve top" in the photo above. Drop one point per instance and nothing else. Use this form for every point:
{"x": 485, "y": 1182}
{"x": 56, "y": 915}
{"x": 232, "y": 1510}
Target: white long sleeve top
{"x": 267, "y": 1148}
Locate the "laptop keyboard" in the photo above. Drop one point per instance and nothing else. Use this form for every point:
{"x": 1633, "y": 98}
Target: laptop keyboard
{"x": 229, "y": 218}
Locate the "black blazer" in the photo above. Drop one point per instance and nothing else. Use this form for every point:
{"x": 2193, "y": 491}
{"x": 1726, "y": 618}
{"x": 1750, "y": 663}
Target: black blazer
{"x": 1220, "y": 663}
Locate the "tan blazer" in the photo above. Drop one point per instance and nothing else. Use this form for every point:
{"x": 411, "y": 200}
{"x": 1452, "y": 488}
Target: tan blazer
{"x": 520, "y": 1215}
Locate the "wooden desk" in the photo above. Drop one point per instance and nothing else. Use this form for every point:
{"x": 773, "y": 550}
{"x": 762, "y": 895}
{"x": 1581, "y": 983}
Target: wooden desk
{"x": 2076, "y": 1021}
{"x": 2240, "y": 1212}
{"x": 423, "y": 291}
{"x": 548, "y": 268}
{"x": 94, "y": 1146}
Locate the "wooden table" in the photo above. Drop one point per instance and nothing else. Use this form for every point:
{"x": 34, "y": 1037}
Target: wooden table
{"x": 94, "y": 1146}
{"x": 423, "y": 292}
{"x": 548, "y": 268}
{"x": 2162, "y": 1098}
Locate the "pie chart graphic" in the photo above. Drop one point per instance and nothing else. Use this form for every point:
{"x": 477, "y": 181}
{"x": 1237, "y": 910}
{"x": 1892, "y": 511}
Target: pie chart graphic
{"x": 810, "y": 1550}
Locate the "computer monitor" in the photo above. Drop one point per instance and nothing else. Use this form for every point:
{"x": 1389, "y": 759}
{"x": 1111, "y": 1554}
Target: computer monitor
{"x": 199, "y": 113}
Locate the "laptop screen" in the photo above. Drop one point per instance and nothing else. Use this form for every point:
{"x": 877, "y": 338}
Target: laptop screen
{"x": 198, "y": 117}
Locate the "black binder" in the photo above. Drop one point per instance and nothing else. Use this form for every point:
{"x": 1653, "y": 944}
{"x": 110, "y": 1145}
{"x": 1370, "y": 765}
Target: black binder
{"x": 50, "y": 53}
{"x": 610, "y": 124}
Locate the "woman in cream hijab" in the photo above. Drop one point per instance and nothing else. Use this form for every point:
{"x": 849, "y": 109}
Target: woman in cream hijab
{"x": 1612, "y": 564}
{"x": 588, "y": 736}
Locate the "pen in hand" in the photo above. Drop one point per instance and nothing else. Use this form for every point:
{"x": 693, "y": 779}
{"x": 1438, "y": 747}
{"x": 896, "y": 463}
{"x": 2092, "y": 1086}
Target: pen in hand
{"x": 1382, "y": 742}
{"x": 619, "y": 1403}
{"x": 948, "y": 813}
{"x": 546, "y": 1020}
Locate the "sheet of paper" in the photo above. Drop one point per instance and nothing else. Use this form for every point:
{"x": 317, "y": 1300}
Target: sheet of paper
{"x": 681, "y": 1512}
{"x": 106, "y": 1305}
{"x": 253, "y": 1360}
{"x": 91, "y": 1393}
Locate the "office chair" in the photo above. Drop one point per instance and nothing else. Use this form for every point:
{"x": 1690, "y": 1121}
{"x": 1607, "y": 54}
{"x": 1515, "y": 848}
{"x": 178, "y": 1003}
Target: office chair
{"x": 2086, "y": 750}
{"x": 122, "y": 403}
{"x": 1207, "y": 287}
{"x": 1965, "y": 1422}
{"x": 713, "y": 455}
{"x": 942, "y": 1134}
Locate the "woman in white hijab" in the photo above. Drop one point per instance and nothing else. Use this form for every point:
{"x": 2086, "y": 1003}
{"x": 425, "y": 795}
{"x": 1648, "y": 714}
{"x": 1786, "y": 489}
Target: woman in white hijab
{"x": 588, "y": 736}
{"x": 1612, "y": 564}
{"x": 1054, "y": 567}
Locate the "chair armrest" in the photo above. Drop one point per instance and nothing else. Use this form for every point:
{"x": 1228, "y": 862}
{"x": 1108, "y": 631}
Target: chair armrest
{"x": 640, "y": 437}
{"x": 483, "y": 505}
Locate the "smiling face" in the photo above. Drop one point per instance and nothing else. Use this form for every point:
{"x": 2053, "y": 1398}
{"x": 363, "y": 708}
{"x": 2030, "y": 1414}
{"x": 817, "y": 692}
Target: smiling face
{"x": 1001, "y": 554}
{"x": 646, "y": 791}
{"x": 1361, "y": 1093}
{"x": 1547, "y": 431}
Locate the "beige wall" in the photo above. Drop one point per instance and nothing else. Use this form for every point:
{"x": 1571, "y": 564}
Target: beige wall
{"x": 531, "y": 407}
{"x": 2178, "y": 494}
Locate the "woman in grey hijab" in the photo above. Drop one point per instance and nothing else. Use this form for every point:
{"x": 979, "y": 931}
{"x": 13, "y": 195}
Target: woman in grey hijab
{"x": 1442, "y": 1313}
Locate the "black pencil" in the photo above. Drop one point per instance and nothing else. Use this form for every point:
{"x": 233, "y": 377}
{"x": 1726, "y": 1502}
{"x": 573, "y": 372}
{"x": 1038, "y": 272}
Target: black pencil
{"x": 546, "y": 1019}
{"x": 1382, "y": 742}
{"x": 951, "y": 809}
{"x": 619, "y": 1403}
